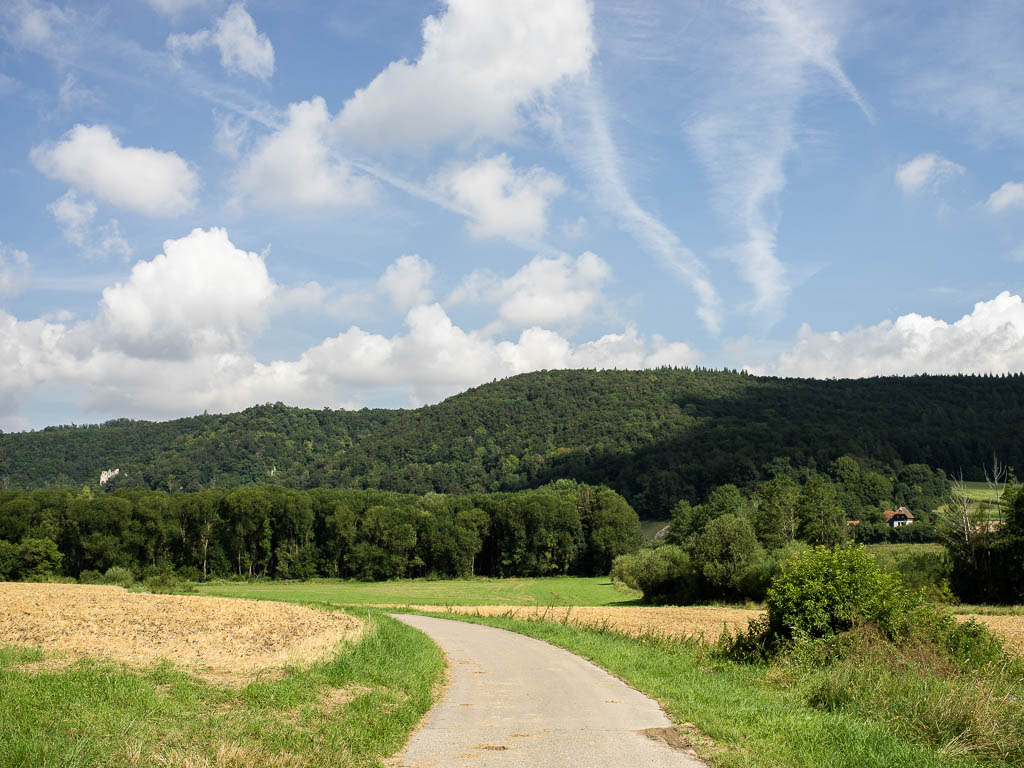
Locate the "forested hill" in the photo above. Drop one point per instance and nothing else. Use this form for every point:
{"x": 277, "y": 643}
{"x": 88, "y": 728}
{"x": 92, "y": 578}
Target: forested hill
{"x": 655, "y": 436}
{"x": 191, "y": 454}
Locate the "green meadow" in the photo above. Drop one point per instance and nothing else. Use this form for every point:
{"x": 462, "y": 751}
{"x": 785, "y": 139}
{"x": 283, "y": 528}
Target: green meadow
{"x": 559, "y": 590}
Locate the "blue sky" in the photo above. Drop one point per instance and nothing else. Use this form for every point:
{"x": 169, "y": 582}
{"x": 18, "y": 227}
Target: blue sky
{"x": 208, "y": 204}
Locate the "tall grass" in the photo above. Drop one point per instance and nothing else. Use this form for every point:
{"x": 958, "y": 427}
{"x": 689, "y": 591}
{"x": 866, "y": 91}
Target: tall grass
{"x": 963, "y": 699}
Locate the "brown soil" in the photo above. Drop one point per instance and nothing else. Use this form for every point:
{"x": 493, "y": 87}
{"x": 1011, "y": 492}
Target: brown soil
{"x": 223, "y": 639}
{"x": 699, "y": 621}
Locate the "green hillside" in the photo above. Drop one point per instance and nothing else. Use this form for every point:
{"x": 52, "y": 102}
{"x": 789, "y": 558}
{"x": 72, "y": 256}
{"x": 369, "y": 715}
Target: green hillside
{"x": 655, "y": 436}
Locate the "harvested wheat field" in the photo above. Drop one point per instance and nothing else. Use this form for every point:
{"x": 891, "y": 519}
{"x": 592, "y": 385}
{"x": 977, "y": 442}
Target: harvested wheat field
{"x": 696, "y": 621}
{"x": 222, "y": 639}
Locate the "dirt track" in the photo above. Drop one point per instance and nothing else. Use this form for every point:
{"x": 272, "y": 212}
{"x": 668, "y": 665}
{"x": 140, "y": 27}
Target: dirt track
{"x": 217, "y": 638}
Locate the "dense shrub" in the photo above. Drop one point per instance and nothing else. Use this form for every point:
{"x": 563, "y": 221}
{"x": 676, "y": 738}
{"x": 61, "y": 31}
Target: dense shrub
{"x": 38, "y": 558}
{"x": 120, "y": 576}
{"x": 8, "y": 560}
{"x": 90, "y": 577}
{"x": 730, "y": 560}
{"x": 826, "y": 591}
{"x": 664, "y": 574}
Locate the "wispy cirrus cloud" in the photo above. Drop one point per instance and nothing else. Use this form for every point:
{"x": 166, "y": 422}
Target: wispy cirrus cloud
{"x": 14, "y": 270}
{"x": 602, "y": 161}
{"x": 768, "y": 56}
{"x": 968, "y": 67}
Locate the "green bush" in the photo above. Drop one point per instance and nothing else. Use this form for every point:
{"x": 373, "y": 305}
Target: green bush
{"x": 90, "y": 577}
{"x": 8, "y": 560}
{"x": 38, "y": 558}
{"x": 730, "y": 560}
{"x": 119, "y": 576}
{"x": 664, "y": 574}
{"x": 164, "y": 579}
{"x": 827, "y": 591}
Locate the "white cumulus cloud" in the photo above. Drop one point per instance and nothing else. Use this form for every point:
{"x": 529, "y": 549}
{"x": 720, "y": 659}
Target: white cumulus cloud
{"x": 296, "y": 167}
{"x": 988, "y": 340}
{"x": 926, "y": 170}
{"x": 243, "y": 48}
{"x": 407, "y": 281}
{"x": 546, "y": 291}
{"x": 502, "y": 201}
{"x": 436, "y": 358}
{"x": 92, "y": 159}
{"x": 1010, "y": 195}
{"x": 175, "y": 338}
{"x": 480, "y": 64}
{"x": 201, "y": 295}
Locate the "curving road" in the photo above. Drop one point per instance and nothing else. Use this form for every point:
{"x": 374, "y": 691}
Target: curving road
{"x": 516, "y": 701}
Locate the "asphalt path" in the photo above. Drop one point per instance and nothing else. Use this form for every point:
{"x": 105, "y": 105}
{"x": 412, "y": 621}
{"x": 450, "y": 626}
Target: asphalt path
{"x": 516, "y": 701}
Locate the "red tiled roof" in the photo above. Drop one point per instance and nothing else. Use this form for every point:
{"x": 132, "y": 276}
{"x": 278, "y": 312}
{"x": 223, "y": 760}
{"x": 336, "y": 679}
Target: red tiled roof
{"x": 891, "y": 513}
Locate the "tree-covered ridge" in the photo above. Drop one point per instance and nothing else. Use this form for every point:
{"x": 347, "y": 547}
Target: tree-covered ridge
{"x": 662, "y": 435}
{"x": 654, "y": 436}
{"x": 265, "y": 443}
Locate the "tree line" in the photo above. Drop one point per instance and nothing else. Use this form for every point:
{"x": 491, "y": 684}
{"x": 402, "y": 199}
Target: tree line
{"x": 273, "y": 532}
{"x": 654, "y": 436}
{"x": 730, "y": 546}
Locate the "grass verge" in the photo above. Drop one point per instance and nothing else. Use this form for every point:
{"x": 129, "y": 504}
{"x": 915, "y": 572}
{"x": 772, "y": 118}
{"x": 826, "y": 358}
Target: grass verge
{"x": 353, "y": 709}
{"x": 798, "y": 713}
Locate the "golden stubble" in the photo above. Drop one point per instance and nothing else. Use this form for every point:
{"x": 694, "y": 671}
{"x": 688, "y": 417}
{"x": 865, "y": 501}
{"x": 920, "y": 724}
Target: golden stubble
{"x": 219, "y": 639}
{"x": 700, "y": 622}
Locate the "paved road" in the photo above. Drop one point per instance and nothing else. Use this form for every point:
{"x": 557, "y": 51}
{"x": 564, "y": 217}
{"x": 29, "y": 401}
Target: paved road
{"x": 516, "y": 701}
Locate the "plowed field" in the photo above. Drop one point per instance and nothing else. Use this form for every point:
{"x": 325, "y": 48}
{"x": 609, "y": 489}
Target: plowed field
{"x": 217, "y": 638}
